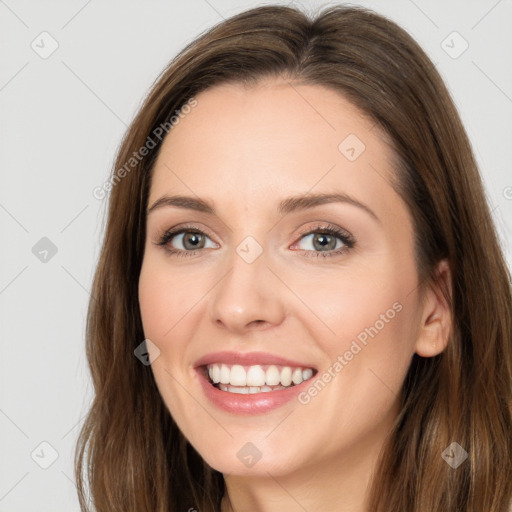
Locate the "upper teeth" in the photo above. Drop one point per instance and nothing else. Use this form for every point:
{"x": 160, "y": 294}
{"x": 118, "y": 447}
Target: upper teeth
{"x": 257, "y": 375}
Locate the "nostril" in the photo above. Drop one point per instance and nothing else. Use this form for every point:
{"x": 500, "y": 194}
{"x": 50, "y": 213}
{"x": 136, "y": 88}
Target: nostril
{"x": 260, "y": 323}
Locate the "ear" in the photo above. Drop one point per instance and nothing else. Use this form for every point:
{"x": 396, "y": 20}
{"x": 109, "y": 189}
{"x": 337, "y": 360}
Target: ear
{"x": 436, "y": 317}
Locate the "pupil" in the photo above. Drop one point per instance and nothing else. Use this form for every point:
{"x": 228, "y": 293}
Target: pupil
{"x": 188, "y": 237}
{"x": 325, "y": 242}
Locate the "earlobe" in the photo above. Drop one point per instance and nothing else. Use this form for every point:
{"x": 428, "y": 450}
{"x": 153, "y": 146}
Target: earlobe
{"x": 436, "y": 317}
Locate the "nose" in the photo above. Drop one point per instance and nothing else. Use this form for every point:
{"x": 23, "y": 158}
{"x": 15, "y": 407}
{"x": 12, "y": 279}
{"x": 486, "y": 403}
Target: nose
{"x": 247, "y": 297}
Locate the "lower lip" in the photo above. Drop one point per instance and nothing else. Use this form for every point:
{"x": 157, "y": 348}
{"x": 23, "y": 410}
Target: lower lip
{"x": 254, "y": 403}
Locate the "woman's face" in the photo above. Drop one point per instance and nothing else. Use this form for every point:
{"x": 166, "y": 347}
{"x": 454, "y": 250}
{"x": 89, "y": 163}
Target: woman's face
{"x": 258, "y": 289}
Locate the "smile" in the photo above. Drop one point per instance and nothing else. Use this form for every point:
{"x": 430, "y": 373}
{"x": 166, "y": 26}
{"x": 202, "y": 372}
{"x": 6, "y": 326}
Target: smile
{"x": 248, "y": 400}
{"x": 250, "y": 383}
{"x": 235, "y": 378}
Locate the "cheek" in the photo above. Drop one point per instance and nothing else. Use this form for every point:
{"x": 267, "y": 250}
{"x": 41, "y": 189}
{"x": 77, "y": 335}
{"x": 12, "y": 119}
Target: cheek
{"x": 165, "y": 296}
{"x": 154, "y": 301}
{"x": 370, "y": 315}
{"x": 366, "y": 362}
{"x": 164, "y": 299}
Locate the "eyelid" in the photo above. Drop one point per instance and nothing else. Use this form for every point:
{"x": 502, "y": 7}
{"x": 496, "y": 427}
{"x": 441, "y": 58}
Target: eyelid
{"x": 327, "y": 227}
{"x": 180, "y": 228}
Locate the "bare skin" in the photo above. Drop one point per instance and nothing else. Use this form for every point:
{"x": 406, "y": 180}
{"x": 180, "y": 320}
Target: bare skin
{"x": 245, "y": 150}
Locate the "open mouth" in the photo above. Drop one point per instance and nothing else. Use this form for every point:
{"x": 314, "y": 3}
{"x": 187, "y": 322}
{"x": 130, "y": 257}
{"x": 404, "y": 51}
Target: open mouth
{"x": 235, "y": 378}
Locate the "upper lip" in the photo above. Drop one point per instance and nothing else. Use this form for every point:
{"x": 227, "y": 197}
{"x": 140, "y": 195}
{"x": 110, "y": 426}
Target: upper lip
{"x": 248, "y": 359}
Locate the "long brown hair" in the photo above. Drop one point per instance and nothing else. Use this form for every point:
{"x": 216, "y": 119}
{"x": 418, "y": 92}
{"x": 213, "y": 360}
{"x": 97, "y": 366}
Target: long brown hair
{"x": 135, "y": 456}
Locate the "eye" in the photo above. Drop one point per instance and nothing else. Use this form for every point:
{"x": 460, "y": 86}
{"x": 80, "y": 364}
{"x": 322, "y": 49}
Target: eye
{"x": 190, "y": 239}
{"x": 327, "y": 240}
{"x": 323, "y": 241}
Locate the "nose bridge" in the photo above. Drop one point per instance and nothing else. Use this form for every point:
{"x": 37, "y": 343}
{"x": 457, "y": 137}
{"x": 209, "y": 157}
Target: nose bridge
{"x": 247, "y": 292}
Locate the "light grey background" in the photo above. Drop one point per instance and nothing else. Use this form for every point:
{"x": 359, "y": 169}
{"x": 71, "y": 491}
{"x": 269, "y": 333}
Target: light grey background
{"x": 62, "y": 120}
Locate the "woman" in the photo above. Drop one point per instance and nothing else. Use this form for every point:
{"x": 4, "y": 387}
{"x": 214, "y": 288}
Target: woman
{"x": 301, "y": 257}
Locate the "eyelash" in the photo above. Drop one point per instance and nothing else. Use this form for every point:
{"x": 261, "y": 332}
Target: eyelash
{"x": 324, "y": 229}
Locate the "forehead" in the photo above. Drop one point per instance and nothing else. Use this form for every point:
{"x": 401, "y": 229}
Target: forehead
{"x": 250, "y": 146}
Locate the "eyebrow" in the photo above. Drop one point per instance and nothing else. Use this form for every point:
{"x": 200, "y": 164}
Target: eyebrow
{"x": 288, "y": 205}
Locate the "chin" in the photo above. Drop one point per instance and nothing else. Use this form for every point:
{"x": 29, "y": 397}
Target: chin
{"x": 250, "y": 460}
